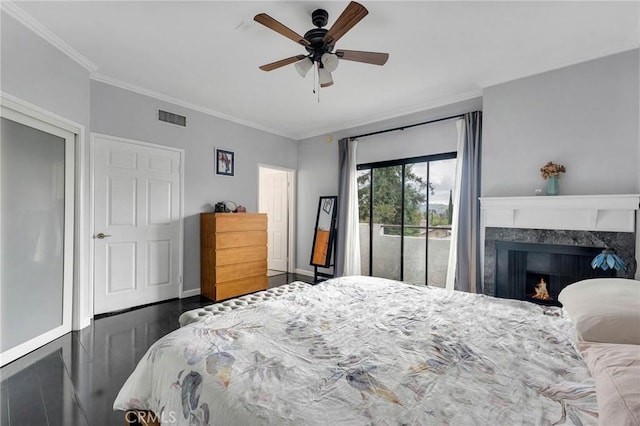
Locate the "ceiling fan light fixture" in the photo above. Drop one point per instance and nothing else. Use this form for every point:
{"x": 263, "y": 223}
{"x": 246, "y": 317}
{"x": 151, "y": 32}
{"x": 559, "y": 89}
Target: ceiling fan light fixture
{"x": 304, "y": 66}
{"x": 320, "y": 42}
{"x": 329, "y": 61}
{"x": 324, "y": 77}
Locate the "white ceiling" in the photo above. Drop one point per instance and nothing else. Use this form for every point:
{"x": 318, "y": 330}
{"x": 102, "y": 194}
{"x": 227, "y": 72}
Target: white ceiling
{"x": 205, "y": 54}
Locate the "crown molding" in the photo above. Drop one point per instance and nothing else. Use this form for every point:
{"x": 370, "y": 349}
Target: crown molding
{"x": 295, "y": 136}
{"x": 165, "y": 98}
{"x": 31, "y": 23}
{"x": 434, "y": 103}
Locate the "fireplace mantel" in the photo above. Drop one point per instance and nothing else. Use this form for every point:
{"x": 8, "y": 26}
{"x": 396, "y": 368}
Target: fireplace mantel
{"x": 613, "y": 213}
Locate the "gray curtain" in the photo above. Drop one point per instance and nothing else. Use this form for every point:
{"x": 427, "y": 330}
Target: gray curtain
{"x": 468, "y": 244}
{"x": 343, "y": 182}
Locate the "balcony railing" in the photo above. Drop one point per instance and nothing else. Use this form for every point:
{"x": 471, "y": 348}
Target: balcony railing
{"x": 387, "y": 252}
{"x": 441, "y": 231}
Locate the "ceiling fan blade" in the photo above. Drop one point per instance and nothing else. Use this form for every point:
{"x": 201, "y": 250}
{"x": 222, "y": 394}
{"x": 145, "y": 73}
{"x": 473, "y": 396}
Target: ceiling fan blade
{"x": 276, "y": 26}
{"x": 281, "y": 63}
{"x": 373, "y": 58}
{"x": 349, "y": 18}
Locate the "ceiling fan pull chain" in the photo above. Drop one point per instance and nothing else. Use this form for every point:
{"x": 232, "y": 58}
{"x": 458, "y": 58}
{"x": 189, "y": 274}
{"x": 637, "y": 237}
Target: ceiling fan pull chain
{"x": 318, "y": 75}
{"x": 315, "y": 75}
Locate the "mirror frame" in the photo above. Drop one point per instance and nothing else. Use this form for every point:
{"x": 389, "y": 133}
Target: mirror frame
{"x": 332, "y": 231}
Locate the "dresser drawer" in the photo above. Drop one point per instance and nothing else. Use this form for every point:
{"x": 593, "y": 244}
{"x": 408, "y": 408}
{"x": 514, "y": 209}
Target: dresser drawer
{"x": 240, "y": 270}
{"x": 240, "y": 255}
{"x": 225, "y": 240}
{"x": 233, "y": 222}
{"x": 241, "y": 286}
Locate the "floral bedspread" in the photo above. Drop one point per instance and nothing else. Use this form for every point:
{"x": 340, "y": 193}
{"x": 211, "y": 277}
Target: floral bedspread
{"x": 361, "y": 350}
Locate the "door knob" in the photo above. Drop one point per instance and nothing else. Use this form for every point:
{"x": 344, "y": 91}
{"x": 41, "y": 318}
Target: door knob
{"x": 101, "y": 236}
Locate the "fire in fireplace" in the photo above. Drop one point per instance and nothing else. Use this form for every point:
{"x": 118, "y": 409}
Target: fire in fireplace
{"x": 540, "y": 291}
{"x": 538, "y": 272}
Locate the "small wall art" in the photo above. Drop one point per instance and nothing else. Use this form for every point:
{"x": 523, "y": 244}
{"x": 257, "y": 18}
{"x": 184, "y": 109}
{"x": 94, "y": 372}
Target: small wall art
{"x": 225, "y": 162}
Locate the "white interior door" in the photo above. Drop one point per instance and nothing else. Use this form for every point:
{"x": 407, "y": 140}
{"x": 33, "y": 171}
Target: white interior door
{"x": 37, "y": 227}
{"x": 137, "y": 223}
{"x": 274, "y": 197}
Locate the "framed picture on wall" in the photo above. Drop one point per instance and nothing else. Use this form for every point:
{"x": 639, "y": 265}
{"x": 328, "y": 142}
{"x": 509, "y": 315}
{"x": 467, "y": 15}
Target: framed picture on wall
{"x": 225, "y": 162}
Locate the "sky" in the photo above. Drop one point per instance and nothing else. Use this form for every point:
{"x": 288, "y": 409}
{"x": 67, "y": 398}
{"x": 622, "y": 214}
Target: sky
{"x": 442, "y": 176}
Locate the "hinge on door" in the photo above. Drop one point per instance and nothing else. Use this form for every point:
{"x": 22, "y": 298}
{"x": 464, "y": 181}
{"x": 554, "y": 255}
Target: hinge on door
{"x": 179, "y": 279}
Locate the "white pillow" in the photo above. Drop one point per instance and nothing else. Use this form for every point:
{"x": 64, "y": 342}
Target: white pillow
{"x": 616, "y": 370}
{"x": 604, "y": 310}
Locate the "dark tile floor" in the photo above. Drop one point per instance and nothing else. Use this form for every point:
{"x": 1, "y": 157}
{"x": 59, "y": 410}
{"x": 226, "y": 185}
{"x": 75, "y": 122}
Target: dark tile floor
{"x": 75, "y": 379}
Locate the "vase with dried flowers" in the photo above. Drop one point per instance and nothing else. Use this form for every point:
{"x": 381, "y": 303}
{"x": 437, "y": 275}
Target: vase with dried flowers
{"x": 551, "y": 172}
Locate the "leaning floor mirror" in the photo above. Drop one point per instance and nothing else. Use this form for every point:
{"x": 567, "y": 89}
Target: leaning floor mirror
{"x": 324, "y": 236}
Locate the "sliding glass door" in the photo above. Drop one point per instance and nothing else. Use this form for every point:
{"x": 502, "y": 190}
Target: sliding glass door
{"x": 405, "y": 218}
{"x": 36, "y": 244}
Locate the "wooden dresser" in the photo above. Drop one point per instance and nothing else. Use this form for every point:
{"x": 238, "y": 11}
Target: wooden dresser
{"x": 233, "y": 254}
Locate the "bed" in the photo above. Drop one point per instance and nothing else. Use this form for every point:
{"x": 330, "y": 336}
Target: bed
{"x": 363, "y": 350}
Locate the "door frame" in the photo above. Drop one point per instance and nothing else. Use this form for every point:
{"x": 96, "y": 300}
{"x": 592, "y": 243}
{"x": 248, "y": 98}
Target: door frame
{"x": 291, "y": 203}
{"x": 26, "y": 114}
{"x": 82, "y": 307}
{"x": 92, "y": 194}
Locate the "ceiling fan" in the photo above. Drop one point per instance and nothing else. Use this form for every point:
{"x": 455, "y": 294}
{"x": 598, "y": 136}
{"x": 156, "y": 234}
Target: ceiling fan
{"x": 320, "y": 43}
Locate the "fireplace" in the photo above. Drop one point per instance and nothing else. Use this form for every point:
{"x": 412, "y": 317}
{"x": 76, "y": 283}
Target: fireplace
{"x": 561, "y": 235}
{"x": 538, "y": 272}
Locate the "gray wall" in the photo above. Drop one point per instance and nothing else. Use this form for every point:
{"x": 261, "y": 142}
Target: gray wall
{"x": 122, "y": 113}
{"x": 35, "y": 71}
{"x": 583, "y": 116}
{"x": 318, "y": 160}
{"x": 435, "y": 138}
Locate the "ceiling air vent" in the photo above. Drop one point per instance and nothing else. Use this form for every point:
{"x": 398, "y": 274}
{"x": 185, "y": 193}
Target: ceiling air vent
{"x": 169, "y": 117}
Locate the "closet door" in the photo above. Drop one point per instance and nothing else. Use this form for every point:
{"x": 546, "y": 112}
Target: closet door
{"x": 36, "y": 235}
{"x": 137, "y": 191}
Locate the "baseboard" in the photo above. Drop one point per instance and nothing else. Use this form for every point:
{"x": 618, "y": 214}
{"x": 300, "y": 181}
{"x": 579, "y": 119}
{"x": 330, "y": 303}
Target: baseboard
{"x": 86, "y": 322}
{"x": 82, "y": 323}
{"x": 190, "y": 293}
{"x": 304, "y": 272}
{"x": 31, "y": 345}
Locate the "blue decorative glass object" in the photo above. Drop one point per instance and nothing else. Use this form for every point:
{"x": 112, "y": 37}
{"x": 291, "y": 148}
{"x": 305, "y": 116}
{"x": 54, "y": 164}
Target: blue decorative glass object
{"x": 553, "y": 185}
{"x": 608, "y": 259}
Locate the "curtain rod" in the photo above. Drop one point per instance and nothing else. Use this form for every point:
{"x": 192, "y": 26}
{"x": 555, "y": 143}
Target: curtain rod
{"x": 407, "y": 127}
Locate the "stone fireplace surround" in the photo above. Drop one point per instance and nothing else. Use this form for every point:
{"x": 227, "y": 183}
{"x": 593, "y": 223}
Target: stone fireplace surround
{"x": 580, "y": 221}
